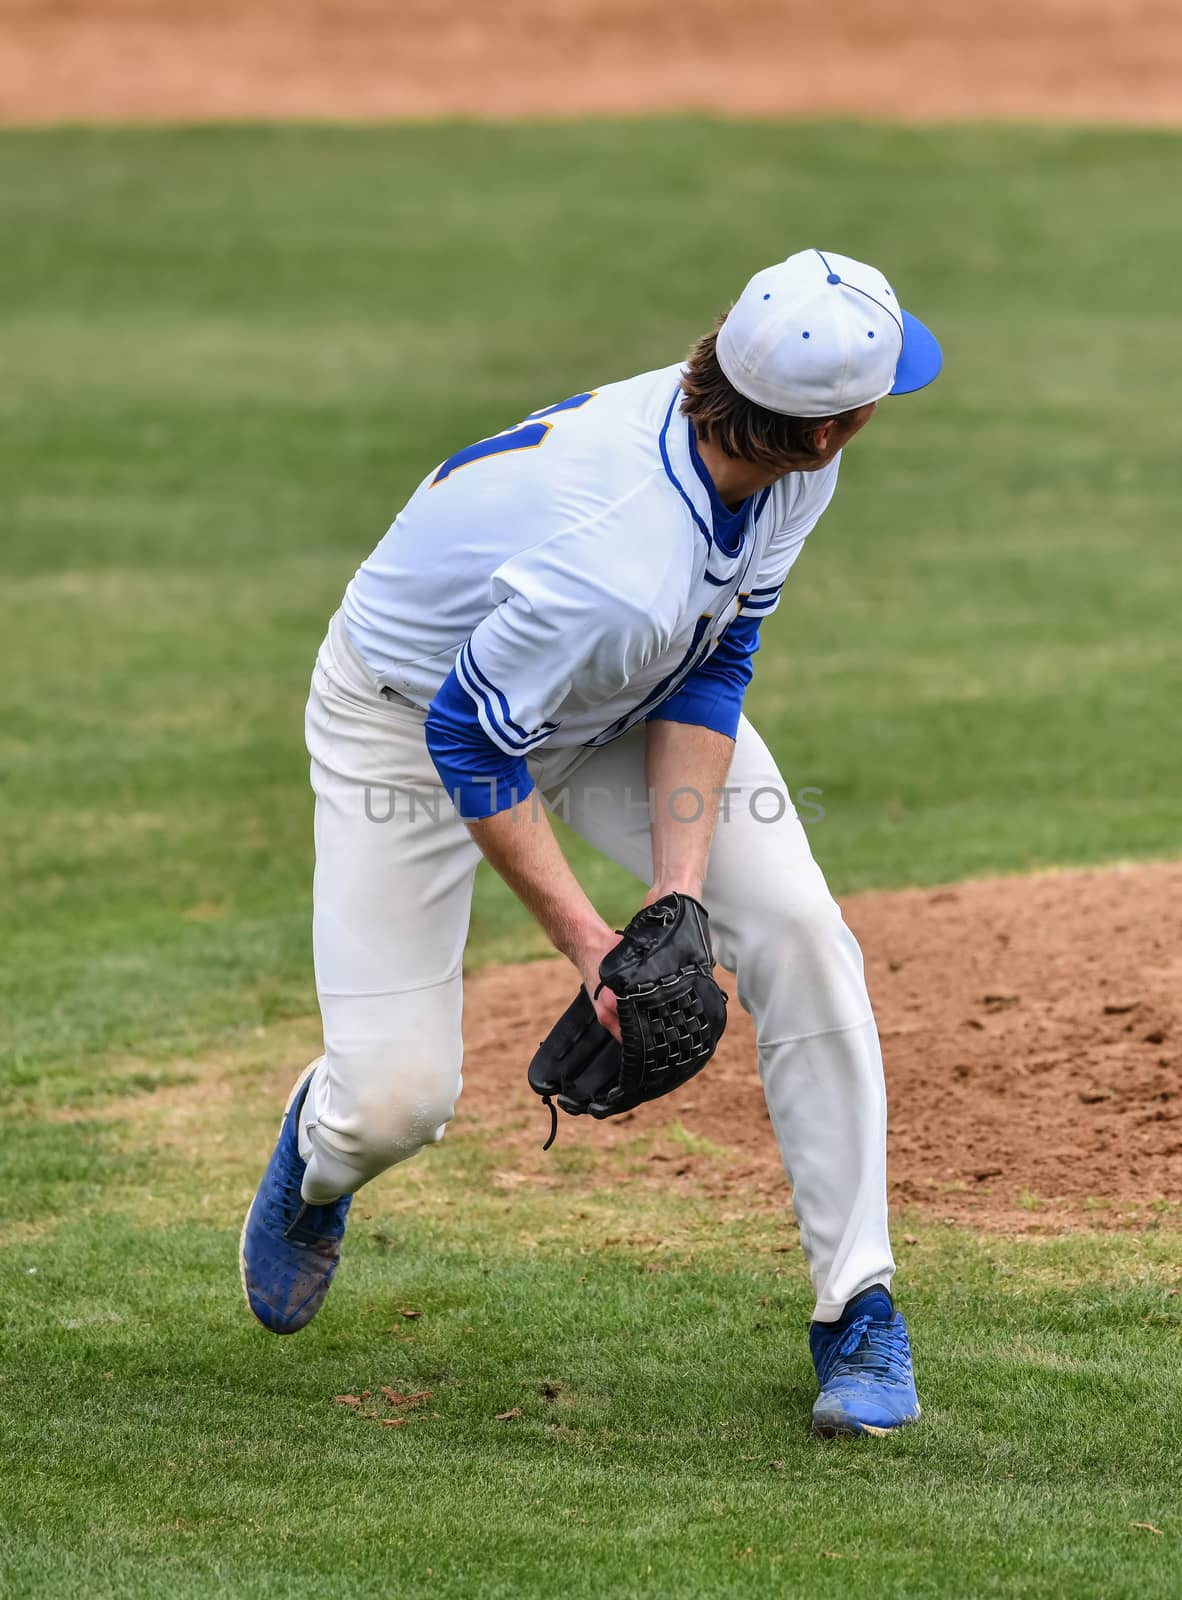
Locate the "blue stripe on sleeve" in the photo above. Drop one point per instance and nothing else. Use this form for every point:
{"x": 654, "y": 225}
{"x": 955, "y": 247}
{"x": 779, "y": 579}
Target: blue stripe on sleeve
{"x": 496, "y": 707}
{"x": 712, "y": 695}
{"x": 480, "y": 778}
{"x": 761, "y": 600}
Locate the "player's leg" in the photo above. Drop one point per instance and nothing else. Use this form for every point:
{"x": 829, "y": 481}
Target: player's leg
{"x": 391, "y": 899}
{"x": 392, "y": 892}
{"x": 800, "y": 975}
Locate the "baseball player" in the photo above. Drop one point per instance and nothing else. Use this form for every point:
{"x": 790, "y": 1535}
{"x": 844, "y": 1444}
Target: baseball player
{"x": 564, "y": 615}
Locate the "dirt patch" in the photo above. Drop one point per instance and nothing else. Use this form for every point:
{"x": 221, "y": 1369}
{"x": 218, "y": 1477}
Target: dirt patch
{"x": 901, "y": 60}
{"x": 1031, "y": 1035}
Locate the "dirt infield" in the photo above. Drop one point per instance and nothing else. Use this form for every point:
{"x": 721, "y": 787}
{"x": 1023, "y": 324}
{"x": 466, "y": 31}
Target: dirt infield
{"x": 1031, "y": 1033}
{"x": 901, "y": 60}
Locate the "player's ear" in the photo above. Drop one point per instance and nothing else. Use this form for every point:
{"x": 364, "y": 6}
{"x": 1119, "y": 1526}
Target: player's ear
{"x": 823, "y": 434}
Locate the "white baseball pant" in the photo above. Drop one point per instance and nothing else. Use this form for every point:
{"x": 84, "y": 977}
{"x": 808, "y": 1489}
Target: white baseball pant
{"x": 392, "y": 896}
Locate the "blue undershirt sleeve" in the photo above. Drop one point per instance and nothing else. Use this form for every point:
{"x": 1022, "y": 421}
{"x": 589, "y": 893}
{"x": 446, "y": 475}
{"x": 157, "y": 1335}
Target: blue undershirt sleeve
{"x": 478, "y": 776}
{"x": 712, "y": 695}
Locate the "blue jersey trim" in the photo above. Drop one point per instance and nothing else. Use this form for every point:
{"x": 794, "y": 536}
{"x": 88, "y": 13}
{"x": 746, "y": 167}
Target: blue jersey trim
{"x": 481, "y": 688}
{"x": 760, "y": 601}
{"x": 478, "y": 776}
{"x": 471, "y": 663}
{"x": 714, "y": 710}
{"x": 672, "y": 476}
{"x": 667, "y": 686}
{"x": 712, "y": 694}
{"x": 729, "y": 526}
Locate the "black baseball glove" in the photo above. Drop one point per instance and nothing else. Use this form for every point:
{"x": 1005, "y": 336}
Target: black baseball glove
{"x": 672, "y": 1015}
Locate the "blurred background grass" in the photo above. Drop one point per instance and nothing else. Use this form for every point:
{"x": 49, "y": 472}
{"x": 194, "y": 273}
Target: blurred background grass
{"x": 229, "y": 354}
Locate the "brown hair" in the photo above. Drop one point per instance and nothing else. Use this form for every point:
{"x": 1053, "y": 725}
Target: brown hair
{"x": 740, "y": 428}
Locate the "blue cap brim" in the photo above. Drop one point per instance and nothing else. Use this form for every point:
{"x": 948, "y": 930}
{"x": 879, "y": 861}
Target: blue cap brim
{"x": 922, "y": 357}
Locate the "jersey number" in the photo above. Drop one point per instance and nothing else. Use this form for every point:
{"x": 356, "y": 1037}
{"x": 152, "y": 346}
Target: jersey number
{"x": 528, "y": 435}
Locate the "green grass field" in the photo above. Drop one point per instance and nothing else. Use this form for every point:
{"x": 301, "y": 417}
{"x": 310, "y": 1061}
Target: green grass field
{"x": 228, "y": 355}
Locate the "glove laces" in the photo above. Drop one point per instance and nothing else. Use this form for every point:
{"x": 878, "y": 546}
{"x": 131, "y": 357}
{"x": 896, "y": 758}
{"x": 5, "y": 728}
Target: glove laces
{"x": 553, "y": 1110}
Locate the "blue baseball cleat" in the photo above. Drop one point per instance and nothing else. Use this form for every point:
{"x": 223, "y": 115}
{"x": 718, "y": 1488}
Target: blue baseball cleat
{"x": 863, "y": 1364}
{"x": 289, "y": 1250}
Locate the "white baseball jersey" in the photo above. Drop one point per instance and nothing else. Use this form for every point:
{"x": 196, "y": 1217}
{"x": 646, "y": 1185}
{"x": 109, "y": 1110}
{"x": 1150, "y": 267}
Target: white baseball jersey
{"x": 562, "y": 580}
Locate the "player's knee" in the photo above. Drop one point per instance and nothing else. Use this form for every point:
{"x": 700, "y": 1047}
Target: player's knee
{"x": 810, "y": 920}
{"x": 800, "y": 969}
{"x": 409, "y": 1109}
{"x": 784, "y": 921}
{"x": 385, "y": 1105}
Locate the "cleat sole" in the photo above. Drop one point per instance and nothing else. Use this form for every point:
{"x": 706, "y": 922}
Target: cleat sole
{"x": 851, "y": 1430}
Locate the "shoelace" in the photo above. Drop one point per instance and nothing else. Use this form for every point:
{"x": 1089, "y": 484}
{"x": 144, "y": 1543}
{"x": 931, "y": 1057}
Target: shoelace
{"x": 873, "y": 1347}
{"x": 285, "y": 1199}
{"x": 308, "y": 1223}
{"x": 312, "y": 1224}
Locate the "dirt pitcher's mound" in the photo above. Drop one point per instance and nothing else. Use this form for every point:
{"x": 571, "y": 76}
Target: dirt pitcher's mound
{"x": 1031, "y": 1034}
{"x": 898, "y": 60}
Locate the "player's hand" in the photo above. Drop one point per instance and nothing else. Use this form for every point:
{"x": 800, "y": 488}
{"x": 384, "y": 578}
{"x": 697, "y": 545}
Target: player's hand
{"x": 595, "y": 947}
{"x": 669, "y": 1009}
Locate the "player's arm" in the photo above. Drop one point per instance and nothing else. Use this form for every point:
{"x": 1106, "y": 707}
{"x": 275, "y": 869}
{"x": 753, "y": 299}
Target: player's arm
{"x": 490, "y": 785}
{"x": 691, "y": 734}
{"x": 686, "y": 767}
{"x": 521, "y": 845}
{"x": 690, "y": 739}
{"x": 554, "y": 625}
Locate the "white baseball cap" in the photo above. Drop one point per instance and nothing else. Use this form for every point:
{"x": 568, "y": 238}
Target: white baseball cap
{"x": 820, "y": 334}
